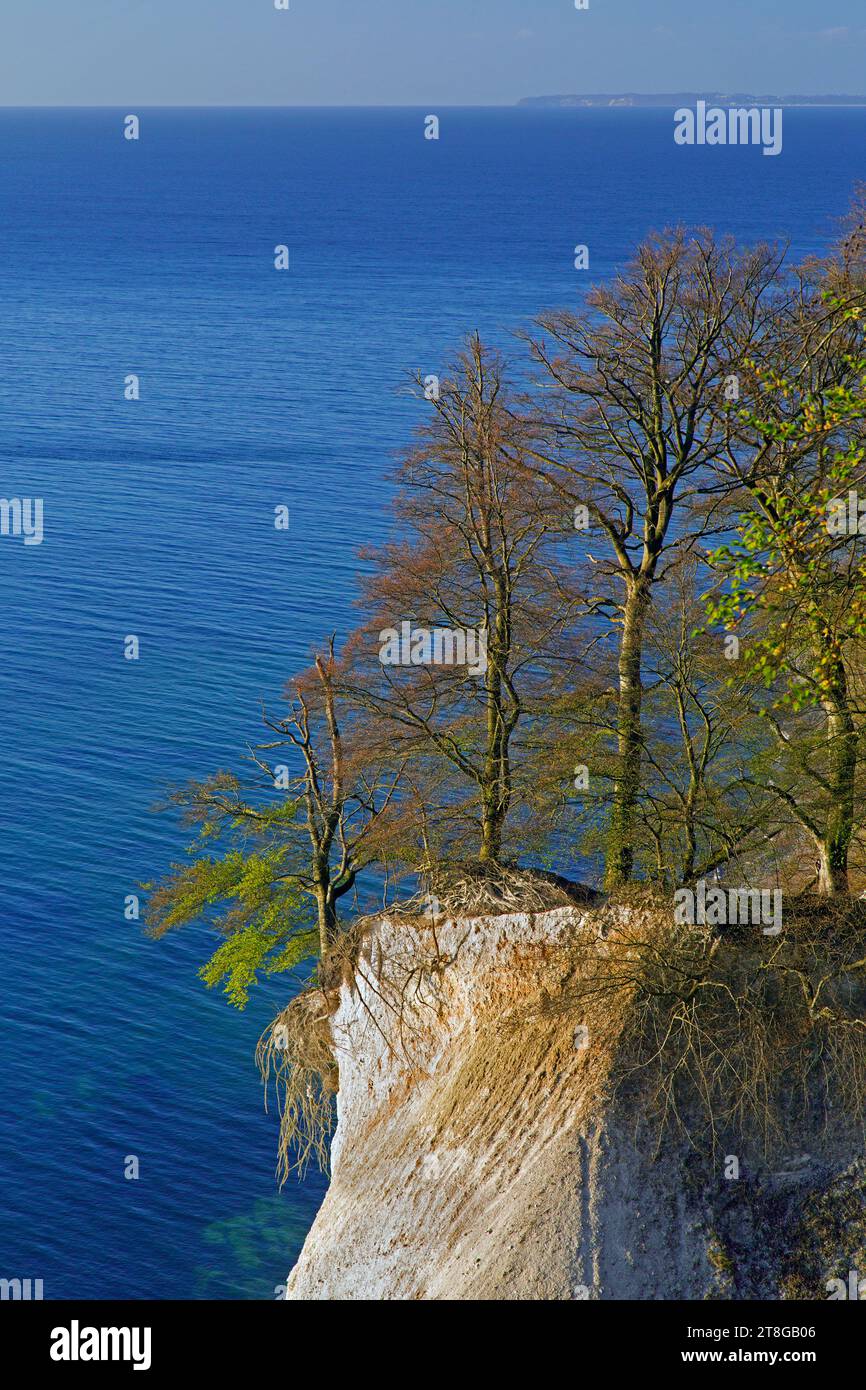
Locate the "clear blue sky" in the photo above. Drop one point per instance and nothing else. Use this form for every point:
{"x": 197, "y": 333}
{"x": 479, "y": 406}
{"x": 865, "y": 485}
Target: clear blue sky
{"x": 418, "y": 52}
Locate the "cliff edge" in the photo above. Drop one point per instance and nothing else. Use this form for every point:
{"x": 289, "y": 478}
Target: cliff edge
{"x": 486, "y": 1148}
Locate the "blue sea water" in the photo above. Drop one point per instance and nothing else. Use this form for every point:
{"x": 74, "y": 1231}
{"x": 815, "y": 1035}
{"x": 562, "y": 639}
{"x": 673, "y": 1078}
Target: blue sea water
{"x": 258, "y": 388}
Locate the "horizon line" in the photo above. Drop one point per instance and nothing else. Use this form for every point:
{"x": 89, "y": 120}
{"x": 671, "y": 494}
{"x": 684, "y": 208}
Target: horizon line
{"x": 522, "y": 103}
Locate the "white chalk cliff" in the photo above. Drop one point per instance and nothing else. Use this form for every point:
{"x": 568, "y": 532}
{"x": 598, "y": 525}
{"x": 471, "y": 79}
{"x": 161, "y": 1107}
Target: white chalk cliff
{"x": 478, "y": 1152}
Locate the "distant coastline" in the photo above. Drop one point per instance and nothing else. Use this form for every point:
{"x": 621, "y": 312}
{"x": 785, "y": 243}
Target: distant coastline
{"x": 675, "y": 99}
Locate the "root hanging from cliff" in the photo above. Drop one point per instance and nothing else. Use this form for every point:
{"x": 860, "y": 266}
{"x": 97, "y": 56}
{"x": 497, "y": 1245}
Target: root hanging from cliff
{"x": 729, "y": 1038}
{"x": 295, "y": 1053}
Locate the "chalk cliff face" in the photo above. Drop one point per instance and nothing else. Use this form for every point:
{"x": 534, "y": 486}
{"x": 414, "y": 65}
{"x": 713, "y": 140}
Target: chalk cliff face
{"x": 479, "y": 1154}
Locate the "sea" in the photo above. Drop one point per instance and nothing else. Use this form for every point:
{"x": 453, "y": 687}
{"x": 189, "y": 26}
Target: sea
{"x": 257, "y": 389}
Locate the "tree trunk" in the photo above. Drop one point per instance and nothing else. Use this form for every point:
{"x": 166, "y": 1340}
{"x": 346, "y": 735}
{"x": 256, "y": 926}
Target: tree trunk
{"x": 495, "y": 793}
{"x": 842, "y": 757}
{"x": 832, "y": 875}
{"x": 620, "y": 844}
{"x": 491, "y": 836}
{"x": 327, "y": 917}
{"x": 496, "y": 788}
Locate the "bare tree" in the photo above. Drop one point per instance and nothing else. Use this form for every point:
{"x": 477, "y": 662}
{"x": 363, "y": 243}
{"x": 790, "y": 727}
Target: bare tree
{"x": 477, "y": 557}
{"x": 628, "y": 410}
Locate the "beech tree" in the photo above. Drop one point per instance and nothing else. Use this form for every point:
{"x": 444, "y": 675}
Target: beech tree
{"x": 793, "y": 580}
{"x": 276, "y": 854}
{"x": 475, "y": 560}
{"x": 703, "y": 805}
{"x": 793, "y": 375}
{"x": 627, "y": 412}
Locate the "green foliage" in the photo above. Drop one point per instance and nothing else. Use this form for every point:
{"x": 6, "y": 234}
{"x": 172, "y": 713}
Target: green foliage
{"x": 794, "y": 588}
{"x": 239, "y": 959}
{"x": 254, "y": 894}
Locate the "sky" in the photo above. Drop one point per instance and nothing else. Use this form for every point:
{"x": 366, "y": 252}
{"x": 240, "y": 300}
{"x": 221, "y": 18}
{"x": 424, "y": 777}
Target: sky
{"x": 418, "y": 52}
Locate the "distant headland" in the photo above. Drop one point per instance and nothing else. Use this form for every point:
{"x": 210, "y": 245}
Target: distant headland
{"x": 675, "y": 99}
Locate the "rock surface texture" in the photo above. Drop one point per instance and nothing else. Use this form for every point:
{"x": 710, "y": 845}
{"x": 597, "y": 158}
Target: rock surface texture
{"x": 480, "y": 1154}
